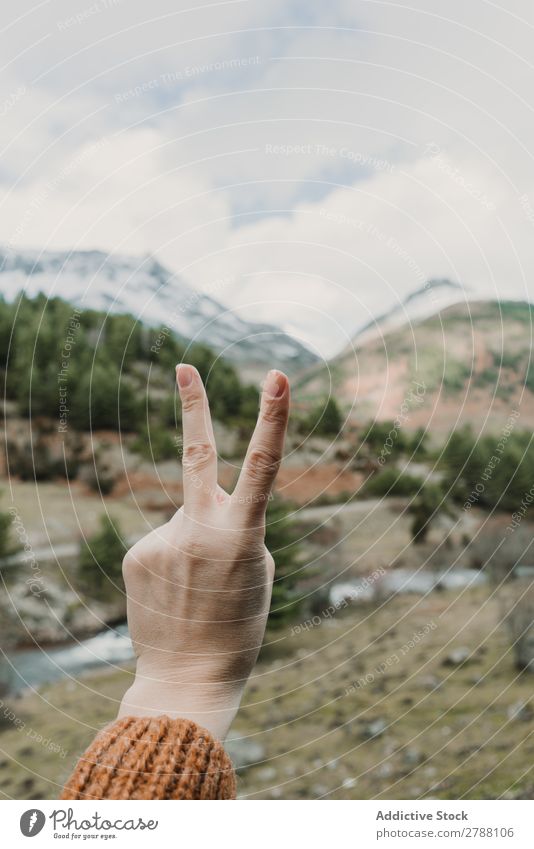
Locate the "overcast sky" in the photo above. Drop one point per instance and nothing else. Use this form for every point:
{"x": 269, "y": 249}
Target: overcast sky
{"x": 321, "y": 159}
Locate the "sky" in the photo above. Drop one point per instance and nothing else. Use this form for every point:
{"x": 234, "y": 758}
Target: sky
{"x": 311, "y": 162}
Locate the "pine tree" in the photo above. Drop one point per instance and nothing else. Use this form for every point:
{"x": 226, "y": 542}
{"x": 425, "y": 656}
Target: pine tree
{"x": 424, "y": 509}
{"x": 326, "y": 419}
{"x": 282, "y": 541}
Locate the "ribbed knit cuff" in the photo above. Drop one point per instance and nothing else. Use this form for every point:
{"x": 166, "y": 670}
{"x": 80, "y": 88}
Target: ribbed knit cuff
{"x": 152, "y": 758}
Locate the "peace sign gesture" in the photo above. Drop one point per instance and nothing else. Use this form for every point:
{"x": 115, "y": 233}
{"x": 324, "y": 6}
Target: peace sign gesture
{"x": 199, "y": 587}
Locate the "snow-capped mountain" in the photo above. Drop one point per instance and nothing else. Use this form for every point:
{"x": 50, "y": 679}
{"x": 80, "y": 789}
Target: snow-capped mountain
{"x": 431, "y": 298}
{"x": 153, "y": 294}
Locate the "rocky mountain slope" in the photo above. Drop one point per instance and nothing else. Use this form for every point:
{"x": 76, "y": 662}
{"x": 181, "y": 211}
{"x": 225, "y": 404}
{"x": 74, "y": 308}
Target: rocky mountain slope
{"x": 154, "y": 295}
{"x": 471, "y": 362}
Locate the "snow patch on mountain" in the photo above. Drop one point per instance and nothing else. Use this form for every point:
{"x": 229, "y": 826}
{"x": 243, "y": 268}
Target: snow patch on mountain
{"x": 430, "y": 299}
{"x": 145, "y": 288}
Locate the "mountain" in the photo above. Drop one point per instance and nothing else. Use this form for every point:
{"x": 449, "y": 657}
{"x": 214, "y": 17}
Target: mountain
{"x": 435, "y": 295}
{"x": 468, "y": 363}
{"x": 154, "y": 295}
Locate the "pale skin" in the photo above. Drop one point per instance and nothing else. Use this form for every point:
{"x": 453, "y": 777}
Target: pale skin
{"x": 199, "y": 587}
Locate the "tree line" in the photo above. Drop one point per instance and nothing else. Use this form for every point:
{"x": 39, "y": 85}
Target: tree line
{"x": 105, "y": 371}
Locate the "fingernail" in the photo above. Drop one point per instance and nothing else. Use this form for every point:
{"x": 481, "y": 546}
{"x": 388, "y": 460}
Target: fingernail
{"x": 274, "y": 385}
{"x": 185, "y": 376}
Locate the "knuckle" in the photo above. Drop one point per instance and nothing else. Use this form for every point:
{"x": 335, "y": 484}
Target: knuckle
{"x": 130, "y": 563}
{"x": 274, "y": 413}
{"x": 191, "y": 403}
{"x": 197, "y": 455}
{"x": 263, "y": 462}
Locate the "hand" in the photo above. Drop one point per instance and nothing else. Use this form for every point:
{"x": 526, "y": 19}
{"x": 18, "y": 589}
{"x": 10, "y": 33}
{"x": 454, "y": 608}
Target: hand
{"x": 199, "y": 587}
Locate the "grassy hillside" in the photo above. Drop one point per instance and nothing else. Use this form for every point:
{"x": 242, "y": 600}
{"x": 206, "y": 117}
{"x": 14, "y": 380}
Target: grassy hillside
{"x": 469, "y": 363}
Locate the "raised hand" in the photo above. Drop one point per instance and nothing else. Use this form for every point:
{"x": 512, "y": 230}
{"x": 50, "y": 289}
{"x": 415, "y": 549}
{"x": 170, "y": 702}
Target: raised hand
{"x": 199, "y": 587}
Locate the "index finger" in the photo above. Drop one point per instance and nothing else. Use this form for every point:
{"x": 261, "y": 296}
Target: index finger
{"x": 199, "y": 459}
{"x": 264, "y": 453}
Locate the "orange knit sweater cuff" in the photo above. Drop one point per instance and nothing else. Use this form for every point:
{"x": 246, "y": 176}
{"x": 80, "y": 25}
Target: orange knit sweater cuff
{"x": 152, "y": 758}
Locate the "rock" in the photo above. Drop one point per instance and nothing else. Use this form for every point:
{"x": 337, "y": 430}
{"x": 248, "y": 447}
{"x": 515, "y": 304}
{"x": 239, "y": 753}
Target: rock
{"x": 349, "y": 592}
{"x": 319, "y": 790}
{"x": 430, "y": 682}
{"x": 413, "y": 757}
{"x": 521, "y": 711}
{"x": 384, "y": 770}
{"x": 244, "y": 752}
{"x": 266, "y": 774}
{"x": 456, "y": 579}
{"x": 458, "y": 657}
{"x": 419, "y": 582}
{"x": 374, "y": 729}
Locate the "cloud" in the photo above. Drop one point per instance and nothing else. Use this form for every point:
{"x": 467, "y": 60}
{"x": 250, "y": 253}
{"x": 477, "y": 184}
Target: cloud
{"x": 327, "y": 161}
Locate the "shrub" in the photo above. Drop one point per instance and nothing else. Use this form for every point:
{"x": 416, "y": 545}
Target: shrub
{"x": 169, "y": 411}
{"x": 507, "y": 359}
{"x": 417, "y": 444}
{"x": 282, "y": 541}
{"x": 424, "y": 509}
{"x": 6, "y": 547}
{"x": 493, "y": 471}
{"x": 98, "y": 476}
{"x": 454, "y": 376}
{"x": 529, "y": 376}
{"x": 393, "y": 482}
{"x": 34, "y": 460}
{"x": 100, "y": 561}
{"x": 386, "y": 439}
{"x": 325, "y": 419}
{"x": 155, "y": 443}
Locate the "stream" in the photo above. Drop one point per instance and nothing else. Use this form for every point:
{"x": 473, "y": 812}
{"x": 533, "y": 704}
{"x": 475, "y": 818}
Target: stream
{"x": 34, "y": 667}
{"x": 112, "y": 646}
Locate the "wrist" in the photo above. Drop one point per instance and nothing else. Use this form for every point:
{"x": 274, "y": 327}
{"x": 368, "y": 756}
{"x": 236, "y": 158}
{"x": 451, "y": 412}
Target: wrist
{"x": 212, "y": 706}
